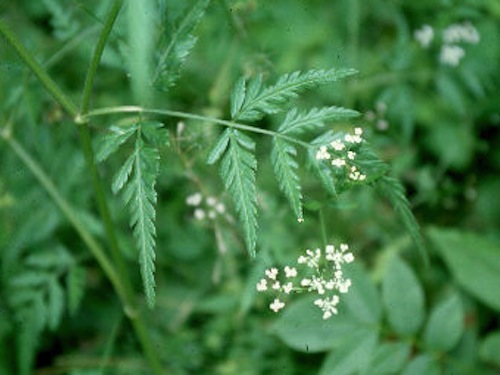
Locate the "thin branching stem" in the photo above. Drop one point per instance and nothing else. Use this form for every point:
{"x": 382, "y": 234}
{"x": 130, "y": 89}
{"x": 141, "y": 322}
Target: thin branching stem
{"x": 190, "y": 116}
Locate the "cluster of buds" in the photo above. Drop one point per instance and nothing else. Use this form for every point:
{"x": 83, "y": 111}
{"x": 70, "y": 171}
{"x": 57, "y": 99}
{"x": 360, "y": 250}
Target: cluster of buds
{"x": 341, "y": 154}
{"x": 205, "y": 208}
{"x": 377, "y": 116}
{"x": 318, "y": 272}
{"x": 453, "y": 37}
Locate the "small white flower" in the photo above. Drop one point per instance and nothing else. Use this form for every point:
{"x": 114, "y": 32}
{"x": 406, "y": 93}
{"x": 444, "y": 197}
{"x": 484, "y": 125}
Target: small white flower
{"x": 272, "y": 273}
{"x": 212, "y": 214}
{"x": 451, "y": 55}
{"x": 211, "y": 201}
{"x": 351, "y": 155}
{"x": 348, "y": 258}
{"x": 302, "y": 259}
{"x": 305, "y": 282}
{"x": 262, "y": 285}
{"x": 322, "y": 153}
{"x": 199, "y": 214}
{"x": 277, "y": 305}
{"x": 338, "y": 162}
{"x": 290, "y": 271}
{"x": 220, "y": 208}
{"x": 276, "y": 285}
{"x": 358, "y": 131}
{"x": 424, "y": 35}
{"x": 344, "y": 286}
{"x": 344, "y": 247}
{"x": 194, "y": 199}
{"x": 456, "y": 33}
{"x": 337, "y": 145}
{"x": 287, "y": 288}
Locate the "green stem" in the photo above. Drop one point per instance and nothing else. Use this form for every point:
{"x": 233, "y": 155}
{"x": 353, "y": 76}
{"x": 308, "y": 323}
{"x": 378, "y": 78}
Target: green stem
{"x": 99, "y": 48}
{"x": 68, "y": 211}
{"x": 190, "y": 116}
{"x": 39, "y": 72}
{"x": 86, "y": 143}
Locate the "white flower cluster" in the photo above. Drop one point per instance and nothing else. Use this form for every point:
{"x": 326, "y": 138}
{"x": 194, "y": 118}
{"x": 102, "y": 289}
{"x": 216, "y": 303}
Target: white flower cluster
{"x": 451, "y": 52}
{"x": 209, "y": 208}
{"x": 340, "y": 153}
{"x": 324, "y": 276}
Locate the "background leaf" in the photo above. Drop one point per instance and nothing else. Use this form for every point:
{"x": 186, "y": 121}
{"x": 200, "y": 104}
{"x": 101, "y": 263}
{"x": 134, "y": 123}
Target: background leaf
{"x": 474, "y": 261}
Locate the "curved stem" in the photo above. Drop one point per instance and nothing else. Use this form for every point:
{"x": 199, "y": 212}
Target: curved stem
{"x": 51, "y": 86}
{"x": 96, "y": 58}
{"x": 185, "y": 115}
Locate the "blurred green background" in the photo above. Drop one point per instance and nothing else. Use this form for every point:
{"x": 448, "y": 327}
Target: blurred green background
{"x": 434, "y": 118}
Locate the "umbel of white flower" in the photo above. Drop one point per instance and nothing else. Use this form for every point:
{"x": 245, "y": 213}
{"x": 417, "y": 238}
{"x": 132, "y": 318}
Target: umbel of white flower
{"x": 340, "y": 154}
{"x": 318, "y": 272}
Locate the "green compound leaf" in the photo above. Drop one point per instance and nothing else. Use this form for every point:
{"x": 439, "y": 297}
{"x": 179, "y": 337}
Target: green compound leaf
{"x": 237, "y": 171}
{"x": 403, "y": 298}
{"x": 140, "y": 196}
{"x": 219, "y": 149}
{"x": 297, "y": 122}
{"x": 172, "y": 57}
{"x": 252, "y": 102}
{"x": 285, "y": 168}
{"x": 136, "y": 179}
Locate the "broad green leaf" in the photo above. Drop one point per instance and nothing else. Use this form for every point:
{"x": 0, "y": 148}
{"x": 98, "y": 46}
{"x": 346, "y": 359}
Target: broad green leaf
{"x": 403, "y": 298}
{"x": 473, "y": 260}
{"x": 489, "y": 349}
{"x": 446, "y": 324}
{"x": 258, "y": 101}
{"x": 302, "y": 327}
{"x": 362, "y": 300}
{"x": 285, "y": 168}
{"x": 237, "y": 171}
{"x": 389, "y": 358}
{"x": 353, "y": 357}
{"x": 297, "y": 122}
{"x": 422, "y": 364}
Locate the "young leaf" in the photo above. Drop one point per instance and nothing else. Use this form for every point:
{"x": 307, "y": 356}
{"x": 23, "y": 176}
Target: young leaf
{"x": 257, "y": 102}
{"x": 237, "y": 171}
{"x": 285, "y": 168}
{"x": 111, "y": 141}
{"x": 140, "y": 196}
{"x": 395, "y": 192}
{"x": 296, "y": 122}
{"x": 172, "y": 58}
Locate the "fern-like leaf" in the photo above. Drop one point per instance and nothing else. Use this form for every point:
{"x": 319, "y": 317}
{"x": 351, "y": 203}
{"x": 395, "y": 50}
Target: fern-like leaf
{"x": 285, "y": 168}
{"x": 237, "y": 171}
{"x": 253, "y": 102}
{"x": 297, "y": 122}
{"x": 395, "y": 192}
{"x": 182, "y": 41}
{"x": 137, "y": 179}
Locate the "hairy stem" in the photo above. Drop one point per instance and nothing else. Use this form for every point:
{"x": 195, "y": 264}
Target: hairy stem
{"x": 190, "y": 116}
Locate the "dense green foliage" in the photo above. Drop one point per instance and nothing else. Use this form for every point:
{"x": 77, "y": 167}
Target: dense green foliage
{"x": 157, "y": 156}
